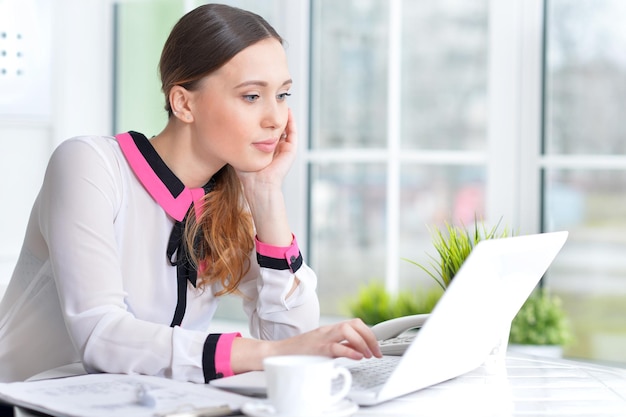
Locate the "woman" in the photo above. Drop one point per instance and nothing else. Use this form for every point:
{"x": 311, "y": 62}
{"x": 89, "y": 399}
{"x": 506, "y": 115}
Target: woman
{"x": 131, "y": 240}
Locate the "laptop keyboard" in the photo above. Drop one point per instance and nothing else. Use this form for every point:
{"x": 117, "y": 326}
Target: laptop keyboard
{"x": 370, "y": 373}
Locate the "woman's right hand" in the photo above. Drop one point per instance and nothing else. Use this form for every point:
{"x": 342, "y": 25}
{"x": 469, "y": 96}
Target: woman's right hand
{"x": 351, "y": 339}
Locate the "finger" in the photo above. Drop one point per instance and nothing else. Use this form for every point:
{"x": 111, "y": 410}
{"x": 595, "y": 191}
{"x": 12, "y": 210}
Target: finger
{"x": 357, "y": 336}
{"x": 368, "y": 336}
{"x": 345, "y": 350}
{"x": 354, "y": 339}
{"x": 360, "y": 337}
{"x": 291, "y": 130}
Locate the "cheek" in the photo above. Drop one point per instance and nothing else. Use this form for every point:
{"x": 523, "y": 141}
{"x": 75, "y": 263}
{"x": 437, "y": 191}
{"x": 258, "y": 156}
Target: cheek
{"x": 231, "y": 118}
{"x": 228, "y": 137}
{"x": 220, "y": 126}
{"x": 229, "y": 126}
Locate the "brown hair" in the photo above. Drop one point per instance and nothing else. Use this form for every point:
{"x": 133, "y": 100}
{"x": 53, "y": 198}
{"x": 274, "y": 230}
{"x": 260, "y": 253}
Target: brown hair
{"x": 205, "y": 39}
{"x": 221, "y": 240}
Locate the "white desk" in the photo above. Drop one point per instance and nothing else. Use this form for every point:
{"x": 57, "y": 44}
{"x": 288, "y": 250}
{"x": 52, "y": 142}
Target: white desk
{"x": 528, "y": 386}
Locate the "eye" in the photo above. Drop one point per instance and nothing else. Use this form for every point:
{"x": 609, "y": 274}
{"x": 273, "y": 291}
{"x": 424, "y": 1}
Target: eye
{"x": 251, "y": 97}
{"x": 283, "y": 96}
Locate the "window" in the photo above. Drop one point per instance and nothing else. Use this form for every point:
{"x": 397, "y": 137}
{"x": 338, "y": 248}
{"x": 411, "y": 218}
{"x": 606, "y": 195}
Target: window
{"x": 584, "y": 168}
{"x": 424, "y": 112}
{"x": 398, "y": 136}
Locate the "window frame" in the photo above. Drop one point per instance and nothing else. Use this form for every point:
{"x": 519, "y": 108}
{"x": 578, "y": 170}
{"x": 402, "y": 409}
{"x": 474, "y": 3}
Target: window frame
{"x": 515, "y": 85}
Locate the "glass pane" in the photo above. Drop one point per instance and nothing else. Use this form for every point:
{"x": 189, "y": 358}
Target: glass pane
{"x": 349, "y": 73}
{"x": 590, "y": 272}
{"x": 444, "y": 74}
{"x": 141, "y": 31}
{"x": 585, "y": 77}
{"x": 430, "y": 197}
{"x": 347, "y": 230}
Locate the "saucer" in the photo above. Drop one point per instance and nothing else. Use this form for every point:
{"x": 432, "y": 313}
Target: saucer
{"x": 264, "y": 409}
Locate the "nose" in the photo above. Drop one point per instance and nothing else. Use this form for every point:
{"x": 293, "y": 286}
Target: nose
{"x": 274, "y": 115}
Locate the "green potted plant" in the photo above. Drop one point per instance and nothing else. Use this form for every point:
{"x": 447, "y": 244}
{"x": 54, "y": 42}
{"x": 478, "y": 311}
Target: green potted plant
{"x": 373, "y": 304}
{"x": 453, "y": 246}
{"x": 541, "y": 327}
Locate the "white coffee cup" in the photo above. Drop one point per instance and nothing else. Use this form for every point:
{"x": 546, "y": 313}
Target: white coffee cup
{"x": 301, "y": 385}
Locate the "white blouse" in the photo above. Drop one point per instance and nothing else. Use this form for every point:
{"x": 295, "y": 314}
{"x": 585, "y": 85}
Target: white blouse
{"x": 93, "y": 282}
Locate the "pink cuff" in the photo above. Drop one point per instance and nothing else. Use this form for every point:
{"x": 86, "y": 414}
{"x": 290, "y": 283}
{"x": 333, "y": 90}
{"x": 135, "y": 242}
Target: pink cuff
{"x": 223, "y": 349}
{"x": 289, "y": 253}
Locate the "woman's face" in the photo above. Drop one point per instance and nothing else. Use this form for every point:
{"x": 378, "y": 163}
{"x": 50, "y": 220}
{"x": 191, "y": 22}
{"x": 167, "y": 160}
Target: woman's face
{"x": 240, "y": 110}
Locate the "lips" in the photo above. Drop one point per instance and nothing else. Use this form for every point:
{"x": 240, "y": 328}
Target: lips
{"x": 266, "y": 146}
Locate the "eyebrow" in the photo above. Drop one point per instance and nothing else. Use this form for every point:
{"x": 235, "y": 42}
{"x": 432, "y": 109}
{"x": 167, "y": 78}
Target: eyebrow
{"x": 261, "y": 83}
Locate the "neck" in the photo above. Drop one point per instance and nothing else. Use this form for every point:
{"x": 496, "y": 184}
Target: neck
{"x": 175, "y": 146}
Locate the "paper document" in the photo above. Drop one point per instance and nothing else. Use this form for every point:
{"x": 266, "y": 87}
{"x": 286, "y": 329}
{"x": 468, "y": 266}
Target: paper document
{"x": 106, "y": 395}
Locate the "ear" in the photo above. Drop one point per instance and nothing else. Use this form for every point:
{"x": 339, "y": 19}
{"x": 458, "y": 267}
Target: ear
{"x": 180, "y": 103}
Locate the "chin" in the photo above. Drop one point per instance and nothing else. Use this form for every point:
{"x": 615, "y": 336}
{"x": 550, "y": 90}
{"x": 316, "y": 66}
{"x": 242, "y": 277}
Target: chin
{"x": 255, "y": 166}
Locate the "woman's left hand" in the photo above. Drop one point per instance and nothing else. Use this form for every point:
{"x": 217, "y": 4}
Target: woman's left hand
{"x": 263, "y": 191}
{"x": 284, "y": 156}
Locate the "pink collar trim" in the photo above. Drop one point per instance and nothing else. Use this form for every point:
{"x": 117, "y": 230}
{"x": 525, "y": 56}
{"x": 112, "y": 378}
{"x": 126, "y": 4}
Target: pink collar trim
{"x": 176, "y": 206}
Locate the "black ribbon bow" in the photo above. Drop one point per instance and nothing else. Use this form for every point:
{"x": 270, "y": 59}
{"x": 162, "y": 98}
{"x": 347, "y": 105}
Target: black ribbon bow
{"x": 178, "y": 256}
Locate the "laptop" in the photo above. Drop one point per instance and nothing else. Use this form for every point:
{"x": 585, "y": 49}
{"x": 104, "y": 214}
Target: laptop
{"x": 467, "y": 324}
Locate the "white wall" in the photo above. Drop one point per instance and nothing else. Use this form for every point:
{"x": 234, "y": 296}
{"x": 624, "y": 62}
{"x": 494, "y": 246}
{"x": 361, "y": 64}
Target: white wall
{"x": 75, "y": 97}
